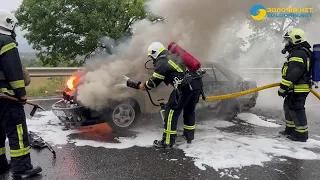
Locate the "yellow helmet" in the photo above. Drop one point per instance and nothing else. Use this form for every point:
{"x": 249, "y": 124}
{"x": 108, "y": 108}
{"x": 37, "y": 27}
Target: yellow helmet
{"x": 295, "y": 36}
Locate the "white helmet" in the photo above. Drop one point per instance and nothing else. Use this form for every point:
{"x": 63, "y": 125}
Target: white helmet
{"x": 155, "y": 49}
{"x": 7, "y": 22}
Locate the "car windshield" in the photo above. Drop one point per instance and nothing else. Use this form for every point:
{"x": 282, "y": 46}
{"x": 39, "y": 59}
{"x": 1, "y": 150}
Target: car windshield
{"x": 228, "y": 72}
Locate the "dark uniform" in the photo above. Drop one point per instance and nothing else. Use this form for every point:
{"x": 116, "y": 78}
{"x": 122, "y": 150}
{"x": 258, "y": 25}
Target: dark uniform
{"x": 184, "y": 97}
{"x": 295, "y": 86}
{"x": 12, "y": 116}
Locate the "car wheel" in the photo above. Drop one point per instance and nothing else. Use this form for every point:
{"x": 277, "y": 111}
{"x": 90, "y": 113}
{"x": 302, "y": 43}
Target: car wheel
{"x": 228, "y": 109}
{"x": 123, "y": 114}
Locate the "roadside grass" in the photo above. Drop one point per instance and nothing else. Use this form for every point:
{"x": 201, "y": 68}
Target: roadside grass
{"x": 45, "y": 86}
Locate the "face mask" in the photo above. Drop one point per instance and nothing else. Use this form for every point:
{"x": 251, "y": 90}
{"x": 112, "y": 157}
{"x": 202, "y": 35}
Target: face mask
{"x": 288, "y": 45}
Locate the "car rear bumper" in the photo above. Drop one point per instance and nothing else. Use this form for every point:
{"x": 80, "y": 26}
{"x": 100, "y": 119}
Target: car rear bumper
{"x": 248, "y": 101}
{"x": 72, "y": 115}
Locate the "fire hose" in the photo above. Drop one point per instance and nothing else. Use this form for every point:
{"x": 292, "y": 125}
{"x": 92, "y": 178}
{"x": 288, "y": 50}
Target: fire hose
{"x": 249, "y": 91}
{"x": 135, "y": 84}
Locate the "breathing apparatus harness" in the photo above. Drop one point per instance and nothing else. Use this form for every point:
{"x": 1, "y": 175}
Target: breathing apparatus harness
{"x": 289, "y": 47}
{"x": 185, "y": 79}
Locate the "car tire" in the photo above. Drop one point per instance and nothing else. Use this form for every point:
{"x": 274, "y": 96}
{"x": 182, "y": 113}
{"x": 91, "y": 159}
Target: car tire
{"x": 228, "y": 109}
{"x": 123, "y": 114}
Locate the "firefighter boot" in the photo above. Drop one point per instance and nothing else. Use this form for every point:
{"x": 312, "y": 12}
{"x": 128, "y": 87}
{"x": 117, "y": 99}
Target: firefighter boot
{"x": 287, "y": 131}
{"x": 29, "y": 172}
{"x": 186, "y": 137}
{"x": 300, "y": 137}
{"x": 161, "y": 144}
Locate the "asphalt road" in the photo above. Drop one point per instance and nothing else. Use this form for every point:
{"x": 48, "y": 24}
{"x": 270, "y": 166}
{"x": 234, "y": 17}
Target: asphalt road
{"x": 85, "y": 162}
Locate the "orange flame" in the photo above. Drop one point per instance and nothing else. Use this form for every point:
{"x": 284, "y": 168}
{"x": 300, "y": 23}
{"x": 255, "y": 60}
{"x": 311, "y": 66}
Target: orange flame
{"x": 70, "y": 82}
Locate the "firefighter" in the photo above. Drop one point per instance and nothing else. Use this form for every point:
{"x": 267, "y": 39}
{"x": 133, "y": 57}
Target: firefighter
{"x": 185, "y": 96}
{"x": 12, "y": 117}
{"x": 296, "y": 84}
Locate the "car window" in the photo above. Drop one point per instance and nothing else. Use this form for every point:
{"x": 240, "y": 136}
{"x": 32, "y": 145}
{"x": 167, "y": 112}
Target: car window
{"x": 209, "y": 75}
{"x": 220, "y": 76}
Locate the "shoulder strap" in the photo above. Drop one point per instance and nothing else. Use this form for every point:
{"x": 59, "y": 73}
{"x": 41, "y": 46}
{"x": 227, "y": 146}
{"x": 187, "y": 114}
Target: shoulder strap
{"x": 307, "y": 51}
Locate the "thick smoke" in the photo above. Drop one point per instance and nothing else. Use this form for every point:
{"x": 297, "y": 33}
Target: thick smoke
{"x": 268, "y": 99}
{"x": 195, "y": 25}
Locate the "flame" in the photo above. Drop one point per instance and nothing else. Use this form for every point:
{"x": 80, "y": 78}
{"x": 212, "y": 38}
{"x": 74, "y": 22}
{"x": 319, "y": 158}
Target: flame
{"x": 70, "y": 82}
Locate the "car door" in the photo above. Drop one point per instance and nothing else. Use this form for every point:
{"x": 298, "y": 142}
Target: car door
{"x": 225, "y": 83}
{"x": 210, "y": 87}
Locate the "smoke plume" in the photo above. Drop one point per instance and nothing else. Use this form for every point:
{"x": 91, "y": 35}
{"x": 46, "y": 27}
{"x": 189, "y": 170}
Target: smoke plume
{"x": 195, "y": 25}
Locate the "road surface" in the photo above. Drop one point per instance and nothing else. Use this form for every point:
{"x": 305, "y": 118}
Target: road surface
{"x": 240, "y": 149}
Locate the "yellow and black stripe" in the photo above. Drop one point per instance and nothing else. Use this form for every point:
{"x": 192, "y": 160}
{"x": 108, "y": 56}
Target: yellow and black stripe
{"x": 168, "y": 129}
{"x": 22, "y": 149}
{"x": 190, "y": 128}
{"x": 2, "y": 151}
{"x": 7, "y": 47}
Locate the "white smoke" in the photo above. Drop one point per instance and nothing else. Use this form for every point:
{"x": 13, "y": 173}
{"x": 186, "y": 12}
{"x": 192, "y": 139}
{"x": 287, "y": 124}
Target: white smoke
{"x": 197, "y": 26}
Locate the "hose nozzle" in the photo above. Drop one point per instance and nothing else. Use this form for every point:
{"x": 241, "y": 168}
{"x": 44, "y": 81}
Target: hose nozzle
{"x": 133, "y": 83}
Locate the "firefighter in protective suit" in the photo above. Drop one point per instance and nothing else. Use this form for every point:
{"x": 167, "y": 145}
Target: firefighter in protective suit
{"x": 12, "y": 116}
{"x": 184, "y": 97}
{"x": 296, "y": 84}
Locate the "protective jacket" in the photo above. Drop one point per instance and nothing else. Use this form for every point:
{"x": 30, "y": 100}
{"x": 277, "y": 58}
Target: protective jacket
{"x": 170, "y": 70}
{"x": 11, "y": 73}
{"x": 187, "y": 89}
{"x": 296, "y": 71}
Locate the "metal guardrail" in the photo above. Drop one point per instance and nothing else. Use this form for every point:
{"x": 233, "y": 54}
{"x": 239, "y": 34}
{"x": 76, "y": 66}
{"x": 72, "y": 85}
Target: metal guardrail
{"x": 67, "y": 71}
{"x": 52, "y": 71}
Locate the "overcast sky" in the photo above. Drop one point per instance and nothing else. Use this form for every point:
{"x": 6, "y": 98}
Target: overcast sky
{"x": 11, "y": 5}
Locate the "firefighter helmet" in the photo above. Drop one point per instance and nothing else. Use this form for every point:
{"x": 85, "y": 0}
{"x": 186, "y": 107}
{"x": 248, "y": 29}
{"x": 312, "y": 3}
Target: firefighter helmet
{"x": 155, "y": 49}
{"x": 7, "y": 22}
{"x": 295, "y": 36}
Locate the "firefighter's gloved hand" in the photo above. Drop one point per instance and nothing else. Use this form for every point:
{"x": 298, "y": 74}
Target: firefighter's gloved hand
{"x": 283, "y": 92}
{"x": 23, "y": 100}
{"x": 142, "y": 87}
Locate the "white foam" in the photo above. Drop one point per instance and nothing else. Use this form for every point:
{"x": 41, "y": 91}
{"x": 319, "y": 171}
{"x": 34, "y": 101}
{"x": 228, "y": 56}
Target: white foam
{"x": 211, "y": 147}
{"x": 47, "y": 126}
{"x": 144, "y": 138}
{"x": 255, "y": 120}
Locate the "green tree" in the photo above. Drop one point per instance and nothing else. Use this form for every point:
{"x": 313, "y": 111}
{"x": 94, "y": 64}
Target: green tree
{"x": 63, "y": 30}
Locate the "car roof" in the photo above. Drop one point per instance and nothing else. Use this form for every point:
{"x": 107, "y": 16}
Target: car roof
{"x": 225, "y": 70}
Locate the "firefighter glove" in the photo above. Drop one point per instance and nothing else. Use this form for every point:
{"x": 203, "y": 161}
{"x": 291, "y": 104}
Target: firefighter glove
{"x": 283, "y": 92}
{"x": 142, "y": 87}
{"x": 23, "y": 100}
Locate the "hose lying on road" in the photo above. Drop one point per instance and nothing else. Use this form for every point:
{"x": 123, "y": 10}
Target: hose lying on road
{"x": 249, "y": 91}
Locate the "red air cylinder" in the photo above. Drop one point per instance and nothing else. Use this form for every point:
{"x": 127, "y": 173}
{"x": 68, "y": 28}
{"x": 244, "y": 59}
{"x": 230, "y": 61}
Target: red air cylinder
{"x": 191, "y": 62}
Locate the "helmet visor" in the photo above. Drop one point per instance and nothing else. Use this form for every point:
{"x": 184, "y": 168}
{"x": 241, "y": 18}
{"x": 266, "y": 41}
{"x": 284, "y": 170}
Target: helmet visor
{"x": 286, "y": 40}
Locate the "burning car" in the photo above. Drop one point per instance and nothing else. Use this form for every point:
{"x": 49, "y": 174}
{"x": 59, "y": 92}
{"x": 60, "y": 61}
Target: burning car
{"x": 122, "y": 114}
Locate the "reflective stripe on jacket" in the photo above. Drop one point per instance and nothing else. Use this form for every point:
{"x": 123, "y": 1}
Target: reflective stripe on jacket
{"x": 10, "y": 65}
{"x": 296, "y": 72}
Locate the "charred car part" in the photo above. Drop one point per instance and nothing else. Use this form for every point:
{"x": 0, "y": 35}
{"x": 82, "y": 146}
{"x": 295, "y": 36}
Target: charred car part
{"x": 38, "y": 143}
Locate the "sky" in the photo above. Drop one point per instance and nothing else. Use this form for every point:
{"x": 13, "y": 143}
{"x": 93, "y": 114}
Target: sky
{"x": 11, "y": 5}
{"x": 24, "y": 46}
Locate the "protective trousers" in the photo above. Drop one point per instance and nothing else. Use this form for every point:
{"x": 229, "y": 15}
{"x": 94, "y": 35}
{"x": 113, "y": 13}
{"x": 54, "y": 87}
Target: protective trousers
{"x": 13, "y": 125}
{"x": 188, "y": 102}
{"x": 296, "y": 119}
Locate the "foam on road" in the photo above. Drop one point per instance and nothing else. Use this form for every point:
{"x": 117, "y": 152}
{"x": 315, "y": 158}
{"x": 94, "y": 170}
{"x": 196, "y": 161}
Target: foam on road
{"x": 211, "y": 147}
{"x": 255, "y": 120}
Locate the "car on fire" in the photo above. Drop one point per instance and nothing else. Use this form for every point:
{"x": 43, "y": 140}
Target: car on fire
{"x": 122, "y": 114}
